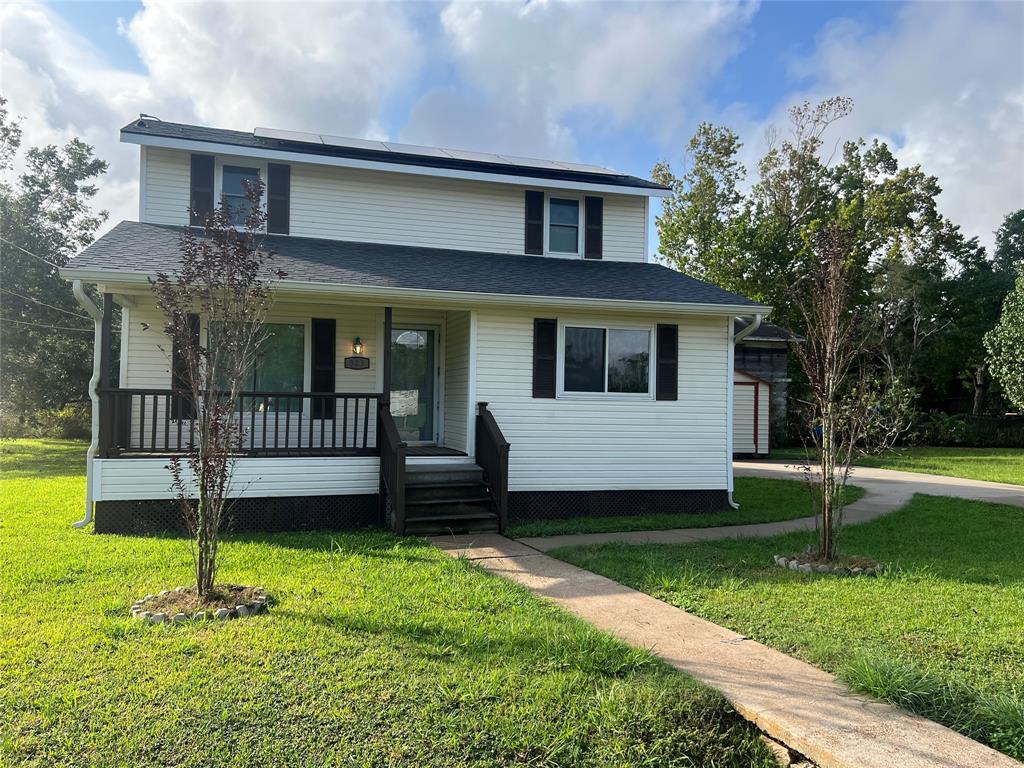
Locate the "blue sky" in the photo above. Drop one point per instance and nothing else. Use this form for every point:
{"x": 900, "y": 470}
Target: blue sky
{"x": 617, "y": 84}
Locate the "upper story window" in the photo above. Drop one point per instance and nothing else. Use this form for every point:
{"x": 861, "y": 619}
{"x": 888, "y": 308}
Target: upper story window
{"x": 233, "y": 181}
{"x": 563, "y": 225}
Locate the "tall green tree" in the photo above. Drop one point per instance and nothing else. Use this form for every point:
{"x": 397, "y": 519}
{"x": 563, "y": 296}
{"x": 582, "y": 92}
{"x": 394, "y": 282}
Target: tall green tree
{"x": 1005, "y": 346}
{"x": 46, "y": 217}
{"x": 1009, "y": 251}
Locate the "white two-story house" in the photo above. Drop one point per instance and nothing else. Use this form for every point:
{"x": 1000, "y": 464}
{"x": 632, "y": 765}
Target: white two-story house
{"x": 462, "y": 341}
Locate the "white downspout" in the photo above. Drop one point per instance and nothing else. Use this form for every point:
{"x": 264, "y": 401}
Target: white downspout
{"x": 97, "y": 316}
{"x": 732, "y": 389}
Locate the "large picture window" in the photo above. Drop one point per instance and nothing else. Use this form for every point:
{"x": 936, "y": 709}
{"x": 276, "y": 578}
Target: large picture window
{"x": 609, "y": 360}
{"x": 279, "y": 367}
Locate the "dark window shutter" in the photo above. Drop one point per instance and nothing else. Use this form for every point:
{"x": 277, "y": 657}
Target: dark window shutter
{"x": 279, "y": 178}
{"x": 667, "y": 363}
{"x": 182, "y": 406}
{"x": 593, "y": 235}
{"x": 534, "y": 222}
{"x": 323, "y": 360}
{"x": 545, "y": 343}
{"x": 201, "y": 189}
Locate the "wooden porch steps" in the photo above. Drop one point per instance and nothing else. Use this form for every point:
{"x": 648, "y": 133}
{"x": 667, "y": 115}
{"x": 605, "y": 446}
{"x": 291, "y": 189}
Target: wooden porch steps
{"x": 448, "y": 498}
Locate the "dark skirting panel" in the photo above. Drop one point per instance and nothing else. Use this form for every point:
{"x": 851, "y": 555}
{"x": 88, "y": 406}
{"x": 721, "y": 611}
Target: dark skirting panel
{"x": 278, "y": 513}
{"x": 526, "y": 506}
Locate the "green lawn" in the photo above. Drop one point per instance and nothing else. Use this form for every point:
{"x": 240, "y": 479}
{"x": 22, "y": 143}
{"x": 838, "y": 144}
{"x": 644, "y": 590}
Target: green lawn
{"x": 941, "y": 635}
{"x": 761, "y": 500}
{"x": 997, "y": 465}
{"x": 377, "y": 652}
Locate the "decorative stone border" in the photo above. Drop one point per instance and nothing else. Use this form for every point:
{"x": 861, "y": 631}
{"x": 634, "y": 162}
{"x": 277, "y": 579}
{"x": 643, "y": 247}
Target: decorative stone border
{"x": 794, "y": 564}
{"x": 258, "y": 605}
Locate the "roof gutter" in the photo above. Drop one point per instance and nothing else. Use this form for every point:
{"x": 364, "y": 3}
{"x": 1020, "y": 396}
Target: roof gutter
{"x": 418, "y": 295}
{"x": 87, "y": 304}
{"x": 758, "y": 319}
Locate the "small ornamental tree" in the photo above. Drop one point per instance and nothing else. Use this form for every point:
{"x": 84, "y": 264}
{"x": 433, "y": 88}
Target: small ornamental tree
{"x": 856, "y": 405}
{"x": 222, "y": 278}
{"x": 1005, "y": 345}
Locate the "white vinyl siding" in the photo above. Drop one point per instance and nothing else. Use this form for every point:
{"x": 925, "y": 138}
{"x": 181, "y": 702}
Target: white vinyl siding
{"x": 456, "y": 380}
{"x": 166, "y": 176}
{"x": 405, "y": 209}
{"x": 130, "y": 479}
{"x": 745, "y": 410}
{"x": 604, "y": 443}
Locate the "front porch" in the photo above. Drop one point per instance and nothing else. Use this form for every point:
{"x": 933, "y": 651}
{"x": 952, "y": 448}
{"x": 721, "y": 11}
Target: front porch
{"x": 339, "y": 439}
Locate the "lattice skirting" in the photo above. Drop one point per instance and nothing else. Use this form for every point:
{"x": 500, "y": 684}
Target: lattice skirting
{"x": 276, "y": 513}
{"x": 525, "y": 506}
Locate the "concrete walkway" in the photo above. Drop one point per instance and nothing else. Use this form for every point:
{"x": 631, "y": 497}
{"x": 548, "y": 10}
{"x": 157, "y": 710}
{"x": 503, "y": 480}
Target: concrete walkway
{"x": 885, "y": 491}
{"x": 796, "y": 703}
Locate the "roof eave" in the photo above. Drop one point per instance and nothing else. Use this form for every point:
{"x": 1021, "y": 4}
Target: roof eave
{"x": 194, "y": 145}
{"x": 311, "y": 288}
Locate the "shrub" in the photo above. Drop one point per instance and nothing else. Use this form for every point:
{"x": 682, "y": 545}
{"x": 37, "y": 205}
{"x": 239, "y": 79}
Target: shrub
{"x": 72, "y": 421}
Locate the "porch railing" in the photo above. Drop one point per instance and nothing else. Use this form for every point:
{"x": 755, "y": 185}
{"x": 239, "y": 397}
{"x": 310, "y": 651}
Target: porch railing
{"x": 161, "y": 422}
{"x": 492, "y": 456}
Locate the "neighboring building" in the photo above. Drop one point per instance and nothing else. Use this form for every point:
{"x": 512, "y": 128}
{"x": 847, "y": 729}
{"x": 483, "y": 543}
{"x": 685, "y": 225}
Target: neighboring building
{"x": 493, "y": 339}
{"x": 764, "y": 355}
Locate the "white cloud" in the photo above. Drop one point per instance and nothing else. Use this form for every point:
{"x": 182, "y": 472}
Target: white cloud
{"x": 320, "y": 66}
{"x": 316, "y": 66}
{"x": 535, "y": 66}
{"x": 945, "y": 88}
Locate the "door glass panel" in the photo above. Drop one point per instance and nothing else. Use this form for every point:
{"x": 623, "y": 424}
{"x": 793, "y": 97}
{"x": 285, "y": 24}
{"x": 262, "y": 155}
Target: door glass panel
{"x": 412, "y": 383}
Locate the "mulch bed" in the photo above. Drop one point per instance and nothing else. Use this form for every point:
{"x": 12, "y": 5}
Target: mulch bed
{"x": 188, "y": 601}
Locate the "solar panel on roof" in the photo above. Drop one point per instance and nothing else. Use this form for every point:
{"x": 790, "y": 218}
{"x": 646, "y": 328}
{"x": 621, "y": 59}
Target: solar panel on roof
{"x": 476, "y": 157}
{"x": 343, "y": 141}
{"x": 585, "y": 168}
{"x": 299, "y": 136}
{"x": 414, "y": 149}
{"x": 533, "y": 162}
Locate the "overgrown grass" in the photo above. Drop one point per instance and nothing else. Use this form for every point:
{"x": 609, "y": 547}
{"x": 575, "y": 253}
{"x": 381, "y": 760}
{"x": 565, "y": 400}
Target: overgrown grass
{"x": 761, "y": 500}
{"x": 939, "y": 635}
{"x": 377, "y": 652}
{"x": 997, "y": 465}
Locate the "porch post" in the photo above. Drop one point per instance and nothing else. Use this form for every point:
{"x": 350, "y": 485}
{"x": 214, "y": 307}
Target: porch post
{"x": 106, "y": 423}
{"x": 386, "y": 395}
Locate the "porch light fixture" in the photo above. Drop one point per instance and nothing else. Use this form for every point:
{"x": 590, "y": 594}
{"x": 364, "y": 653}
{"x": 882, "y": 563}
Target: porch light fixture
{"x": 357, "y": 346}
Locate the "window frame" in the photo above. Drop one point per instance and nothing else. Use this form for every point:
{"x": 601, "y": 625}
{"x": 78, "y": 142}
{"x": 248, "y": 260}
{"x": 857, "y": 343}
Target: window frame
{"x": 562, "y": 394}
{"x": 245, "y": 162}
{"x": 580, "y": 234}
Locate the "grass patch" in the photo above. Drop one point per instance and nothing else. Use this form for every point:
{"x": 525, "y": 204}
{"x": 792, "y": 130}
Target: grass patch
{"x": 761, "y": 500}
{"x": 378, "y": 651}
{"x": 996, "y": 465}
{"x": 943, "y": 626}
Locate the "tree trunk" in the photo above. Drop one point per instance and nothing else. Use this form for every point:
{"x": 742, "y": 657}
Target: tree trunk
{"x": 981, "y": 384}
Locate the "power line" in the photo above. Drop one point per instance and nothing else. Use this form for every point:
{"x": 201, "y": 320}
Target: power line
{"x": 44, "y": 304}
{"x": 51, "y": 327}
{"x": 33, "y": 255}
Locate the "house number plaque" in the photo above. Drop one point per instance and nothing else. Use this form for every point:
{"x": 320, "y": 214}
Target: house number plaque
{"x": 357, "y": 362}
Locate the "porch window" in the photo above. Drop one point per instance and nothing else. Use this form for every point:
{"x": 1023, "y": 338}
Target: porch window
{"x": 564, "y": 227}
{"x": 233, "y": 191}
{"x": 611, "y": 360}
{"x": 279, "y": 365}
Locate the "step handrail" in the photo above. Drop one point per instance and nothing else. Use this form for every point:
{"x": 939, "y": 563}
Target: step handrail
{"x": 392, "y": 468}
{"x": 492, "y": 455}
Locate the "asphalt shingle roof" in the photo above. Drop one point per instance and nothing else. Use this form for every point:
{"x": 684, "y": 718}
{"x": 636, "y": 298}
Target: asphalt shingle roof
{"x": 183, "y": 131}
{"x": 148, "y": 248}
{"x": 765, "y": 332}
